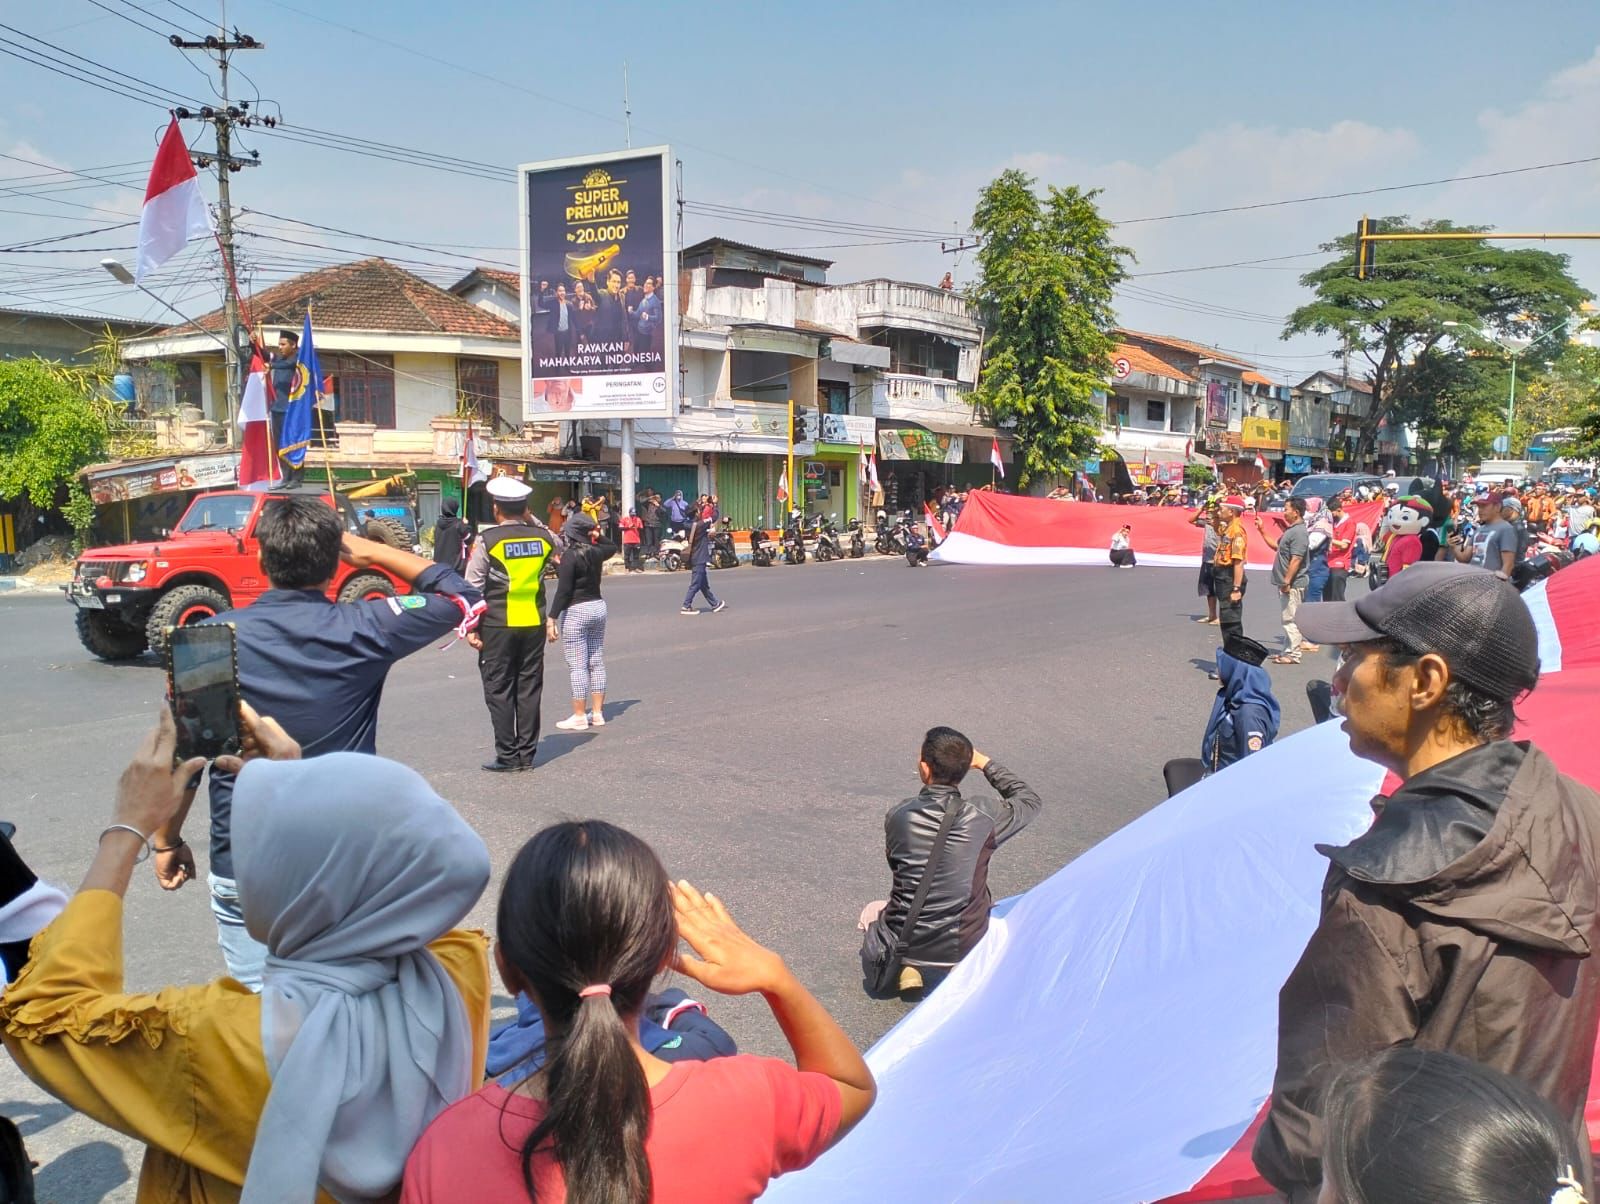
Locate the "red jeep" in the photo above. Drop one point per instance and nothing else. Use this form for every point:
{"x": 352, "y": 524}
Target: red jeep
{"x": 127, "y": 596}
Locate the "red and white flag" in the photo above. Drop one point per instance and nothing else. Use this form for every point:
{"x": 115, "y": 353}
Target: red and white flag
{"x": 174, "y": 209}
{"x": 872, "y": 473}
{"x": 1261, "y": 466}
{"x": 255, "y": 455}
{"x": 994, "y": 458}
{"x": 471, "y": 474}
{"x": 934, "y": 524}
{"x": 783, "y": 483}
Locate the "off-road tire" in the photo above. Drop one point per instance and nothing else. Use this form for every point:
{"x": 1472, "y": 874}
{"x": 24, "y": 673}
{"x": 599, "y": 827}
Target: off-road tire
{"x": 366, "y": 585}
{"x": 108, "y": 638}
{"x": 179, "y": 607}
{"x": 388, "y": 531}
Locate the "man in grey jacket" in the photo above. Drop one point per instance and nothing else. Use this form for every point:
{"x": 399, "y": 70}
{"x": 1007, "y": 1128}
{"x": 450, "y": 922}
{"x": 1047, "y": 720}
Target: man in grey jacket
{"x": 955, "y": 914}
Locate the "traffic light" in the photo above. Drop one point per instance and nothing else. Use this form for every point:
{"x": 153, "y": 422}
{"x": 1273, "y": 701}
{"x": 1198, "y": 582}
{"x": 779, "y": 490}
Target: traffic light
{"x": 798, "y": 435}
{"x": 1365, "y": 257}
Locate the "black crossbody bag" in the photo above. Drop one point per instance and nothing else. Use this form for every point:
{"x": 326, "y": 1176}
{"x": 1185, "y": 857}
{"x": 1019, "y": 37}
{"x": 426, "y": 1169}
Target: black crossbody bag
{"x": 880, "y": 960}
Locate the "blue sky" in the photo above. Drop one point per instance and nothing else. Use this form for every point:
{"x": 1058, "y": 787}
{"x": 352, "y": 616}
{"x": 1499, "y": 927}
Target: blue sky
{"x": 889, "y": 114}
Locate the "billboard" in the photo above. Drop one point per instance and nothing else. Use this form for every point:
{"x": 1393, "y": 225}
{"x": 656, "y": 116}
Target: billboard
{"x": 599, "y": 287}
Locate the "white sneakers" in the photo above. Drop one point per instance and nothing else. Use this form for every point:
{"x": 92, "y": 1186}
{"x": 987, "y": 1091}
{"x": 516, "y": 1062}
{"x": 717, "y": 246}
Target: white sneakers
{"x": 574, "y": 723}
{"x": 596, "y": 719}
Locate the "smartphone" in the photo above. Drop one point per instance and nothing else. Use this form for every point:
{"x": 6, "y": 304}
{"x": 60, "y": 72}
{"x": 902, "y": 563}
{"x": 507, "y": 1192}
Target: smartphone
{"x": 203, "y": 685}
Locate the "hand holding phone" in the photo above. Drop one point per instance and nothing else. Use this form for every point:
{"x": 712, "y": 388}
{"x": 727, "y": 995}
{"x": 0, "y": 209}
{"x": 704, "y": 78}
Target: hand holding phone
{"x": 203, "y": 685}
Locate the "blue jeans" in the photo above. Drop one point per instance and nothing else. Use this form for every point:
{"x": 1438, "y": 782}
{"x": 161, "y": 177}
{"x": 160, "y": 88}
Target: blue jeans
{"x": 699, "y": 583}
{"x": 245, "y": 956}
{"x": 1319, "y": 578}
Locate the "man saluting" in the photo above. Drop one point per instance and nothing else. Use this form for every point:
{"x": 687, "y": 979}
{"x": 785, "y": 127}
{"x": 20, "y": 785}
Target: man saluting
{"x": 508, "y": 566}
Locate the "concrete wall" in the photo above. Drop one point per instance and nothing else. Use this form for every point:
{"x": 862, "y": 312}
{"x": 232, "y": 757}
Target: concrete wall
{"x": 705, "y": 375}
{"x": 424, "y": 388}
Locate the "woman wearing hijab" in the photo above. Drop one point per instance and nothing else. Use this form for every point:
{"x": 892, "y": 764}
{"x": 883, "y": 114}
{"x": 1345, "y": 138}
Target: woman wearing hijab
{"x": 578, "y": 620}
{"x": 451, "y": 536}
{"x": 373, "y": 1015}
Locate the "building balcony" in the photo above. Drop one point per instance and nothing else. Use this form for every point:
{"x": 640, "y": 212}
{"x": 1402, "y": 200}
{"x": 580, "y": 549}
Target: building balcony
{"x": 929, "y": 400}
{"x": 1134, "y": 441}
{"x": 916, "y": 307}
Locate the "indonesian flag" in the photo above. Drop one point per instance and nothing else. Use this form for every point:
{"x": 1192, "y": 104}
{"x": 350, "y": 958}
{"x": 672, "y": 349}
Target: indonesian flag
{"x": 255, "y": 455}
{"x": 783, "y": 483}
{"x": 1210, "y": 898}
{"x": 934, "y": 524}
{"x": 1261, "y": 465}
{"x": 1188, "y": 450}
{"x": 872, "y": 473}
{"x": 174, "y": 210}
{"x": 994, "y": 457}
{"x": 471, "y": 474}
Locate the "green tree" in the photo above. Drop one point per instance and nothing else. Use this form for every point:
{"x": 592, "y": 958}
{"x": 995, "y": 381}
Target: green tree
{"x": 53, "y": 422}
{"x": 1047, "y": 268}
{"x": 1400, "y": 311}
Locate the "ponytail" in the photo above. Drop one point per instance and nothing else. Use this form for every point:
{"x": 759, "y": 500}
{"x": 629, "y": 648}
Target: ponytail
{"x": 586, "y": 919}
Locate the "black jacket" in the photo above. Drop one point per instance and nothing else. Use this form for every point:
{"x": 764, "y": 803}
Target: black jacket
{"x": 956, "y": 913}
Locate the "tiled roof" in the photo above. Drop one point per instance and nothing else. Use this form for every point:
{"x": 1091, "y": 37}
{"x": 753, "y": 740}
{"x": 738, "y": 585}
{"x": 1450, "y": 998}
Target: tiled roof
{"x": 1344, "y": 382}
{"x": 511, "y": 281}
{"x": 1185, "y": 345}
{"x": 1142, "y": 360}
{"x": 369, "y": 294}
{"x": 1252, "y": 377}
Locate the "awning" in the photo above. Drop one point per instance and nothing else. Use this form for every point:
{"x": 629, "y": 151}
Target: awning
{"x": 943, "y": 428}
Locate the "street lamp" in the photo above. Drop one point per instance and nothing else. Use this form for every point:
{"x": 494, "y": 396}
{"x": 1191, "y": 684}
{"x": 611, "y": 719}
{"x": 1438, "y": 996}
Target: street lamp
{"x": 1514, "y": 353}
{"x": 120, "y": 273}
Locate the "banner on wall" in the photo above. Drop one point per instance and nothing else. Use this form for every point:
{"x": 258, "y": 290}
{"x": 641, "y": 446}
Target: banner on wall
{"x": 1261, "y": 432}
{"x": 599, "y": 287}
{"x": 909, "y": 444}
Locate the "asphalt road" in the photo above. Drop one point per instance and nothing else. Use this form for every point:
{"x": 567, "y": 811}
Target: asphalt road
{"x": 756, "y": 749}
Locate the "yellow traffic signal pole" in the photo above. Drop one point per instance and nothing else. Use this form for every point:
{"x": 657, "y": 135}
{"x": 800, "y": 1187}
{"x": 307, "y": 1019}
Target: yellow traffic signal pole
{"x": 1364, "y": 237}
{"x": 788, "y": 502}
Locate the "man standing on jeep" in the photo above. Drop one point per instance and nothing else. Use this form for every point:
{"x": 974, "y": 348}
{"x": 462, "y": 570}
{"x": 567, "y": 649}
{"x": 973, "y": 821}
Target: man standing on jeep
{"x": 317, "y": 667}
{"x": 283, "y": 368}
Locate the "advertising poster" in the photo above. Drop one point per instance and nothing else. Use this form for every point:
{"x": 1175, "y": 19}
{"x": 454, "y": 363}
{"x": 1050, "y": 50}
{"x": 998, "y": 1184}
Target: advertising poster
{"x": 599, "y": 287}
{"x": 908, "y": 444}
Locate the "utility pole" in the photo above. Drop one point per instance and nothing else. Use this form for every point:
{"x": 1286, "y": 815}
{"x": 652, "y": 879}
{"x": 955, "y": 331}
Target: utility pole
{"x": 222, "y": 119}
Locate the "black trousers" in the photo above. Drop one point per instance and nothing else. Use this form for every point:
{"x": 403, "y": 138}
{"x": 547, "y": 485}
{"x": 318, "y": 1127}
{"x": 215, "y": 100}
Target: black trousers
{"x": 1230, "y": 614}
{"x": 282, "y": 470}
{"x": 511, "y": 663}
{"x": 1334, "y": 590}
{"x": 631, "y": 558}
{"x": 652, "y": 538}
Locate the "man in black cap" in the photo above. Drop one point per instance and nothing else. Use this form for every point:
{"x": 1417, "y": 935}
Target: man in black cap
{"x": 1465, "y": 917}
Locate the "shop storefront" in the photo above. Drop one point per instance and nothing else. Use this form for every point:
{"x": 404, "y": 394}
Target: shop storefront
{"x": 138, "y": 499}
{"x": 913, "y": 463}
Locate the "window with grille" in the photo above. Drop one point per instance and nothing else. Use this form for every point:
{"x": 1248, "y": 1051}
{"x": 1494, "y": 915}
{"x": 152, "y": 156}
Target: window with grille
{"x": 478, "y": 386}
{"x": 363, "y": 385}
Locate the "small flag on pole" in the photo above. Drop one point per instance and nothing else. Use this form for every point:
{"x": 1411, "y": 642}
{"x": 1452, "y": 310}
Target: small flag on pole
{"x": 255, "y": 456}
{"x": 471, "y": 474}
{"x": 1261, "y": 466}
{"x": 994, "y": 457}
{"x": 872, "y": 473}
{"x": 174, "y": 208}
{"x": 934, "y": 524}
{"x": 783, "y": 484}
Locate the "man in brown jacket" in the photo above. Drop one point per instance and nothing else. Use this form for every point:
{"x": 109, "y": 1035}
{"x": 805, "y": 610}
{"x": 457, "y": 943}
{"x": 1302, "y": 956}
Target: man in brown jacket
{"x": 1465, "y": 917}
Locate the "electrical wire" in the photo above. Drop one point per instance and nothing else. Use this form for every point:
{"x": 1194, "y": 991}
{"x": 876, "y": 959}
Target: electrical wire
{"x": 133, "y": 82}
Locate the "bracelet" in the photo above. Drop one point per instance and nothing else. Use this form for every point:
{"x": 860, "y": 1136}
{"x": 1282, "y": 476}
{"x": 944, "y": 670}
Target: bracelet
{"x": 126, "y": 828}
{"x": 171, "y": 848}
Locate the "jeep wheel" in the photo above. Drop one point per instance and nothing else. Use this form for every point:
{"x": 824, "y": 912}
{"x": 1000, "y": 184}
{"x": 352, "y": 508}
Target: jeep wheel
{"x": 107, "y": 638}
{"x": 180, "y": 607}
{"x": 364, "y": 586}
{"x": 389, "y": 531}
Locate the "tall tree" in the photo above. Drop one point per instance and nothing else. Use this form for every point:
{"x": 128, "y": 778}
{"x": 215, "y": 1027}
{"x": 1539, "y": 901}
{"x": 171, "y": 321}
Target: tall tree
{"x": 1400, "y": 311}
{"x": 53, "y": 422}
{"x": 1047, "y": 269}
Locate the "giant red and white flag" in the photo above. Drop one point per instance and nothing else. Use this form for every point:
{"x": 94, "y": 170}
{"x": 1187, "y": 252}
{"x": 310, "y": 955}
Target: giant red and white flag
{"x": 255, "y": 454}
{"x": 174, "y": 209}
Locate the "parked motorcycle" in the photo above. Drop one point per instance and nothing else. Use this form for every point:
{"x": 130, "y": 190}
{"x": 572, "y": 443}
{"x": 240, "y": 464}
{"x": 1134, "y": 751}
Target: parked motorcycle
{"x": 858, "y": 539}
{"x": 761, "y": 549}
{"x": 794, "y": 539}
{"x": 674, "y": 550}
{"x": 827, "y": 536}
{"x": 891, "y": 539}
{"x": 723, "y": 553}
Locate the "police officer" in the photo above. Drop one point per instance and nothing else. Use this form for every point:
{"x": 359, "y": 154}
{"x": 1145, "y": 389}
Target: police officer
{"x": 508, "y": 566}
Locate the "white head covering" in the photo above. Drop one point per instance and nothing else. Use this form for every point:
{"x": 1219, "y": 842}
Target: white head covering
{"x": 348, "y": 866}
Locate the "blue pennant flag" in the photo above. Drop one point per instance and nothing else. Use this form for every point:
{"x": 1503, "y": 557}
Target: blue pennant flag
{"x": 302, "y": 401}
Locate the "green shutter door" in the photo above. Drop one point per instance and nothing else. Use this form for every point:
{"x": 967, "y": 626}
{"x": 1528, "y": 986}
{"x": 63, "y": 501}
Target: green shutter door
{"x": 666, "y": 478}
{"x": 742, "y": 491}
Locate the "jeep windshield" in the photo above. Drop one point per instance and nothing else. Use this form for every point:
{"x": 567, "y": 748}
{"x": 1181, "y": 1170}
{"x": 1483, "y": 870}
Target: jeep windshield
{"x": 224, "y": 512}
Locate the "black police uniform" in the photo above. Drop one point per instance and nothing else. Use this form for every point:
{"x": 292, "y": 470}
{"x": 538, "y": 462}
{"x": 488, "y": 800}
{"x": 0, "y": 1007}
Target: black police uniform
{"x": 511, "y": 660}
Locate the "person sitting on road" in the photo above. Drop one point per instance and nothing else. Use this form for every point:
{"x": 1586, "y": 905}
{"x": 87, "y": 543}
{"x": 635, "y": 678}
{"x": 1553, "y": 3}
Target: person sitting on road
{"x": 955, "y": 913}
{"x": 373, "y": 1016}
{"x": 1412, "y": 1124}
{"x": 1465, "y": 917}
{"x": 1122, "y": 556}
{"x": 317, "y": 667}
{"x": 587, "y": 919}
{"x": 916, "y": 545}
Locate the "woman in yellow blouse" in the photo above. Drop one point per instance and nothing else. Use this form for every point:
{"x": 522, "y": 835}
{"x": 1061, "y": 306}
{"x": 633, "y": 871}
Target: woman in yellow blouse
{"x": 373, "y": 1015}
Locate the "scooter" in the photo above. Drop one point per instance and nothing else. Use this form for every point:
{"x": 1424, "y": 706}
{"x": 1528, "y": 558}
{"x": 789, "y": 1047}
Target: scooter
{"x": 828, "y": 545}
{"x": 858, "y": 539}
{"x": 892, "y": 536}
{"x": 723, "y": 553}
{"x": 761, "y": 549}
{"x": 674, "y": 550}
{"x": 794, "y": 540}
{"x": 884, "y": 540}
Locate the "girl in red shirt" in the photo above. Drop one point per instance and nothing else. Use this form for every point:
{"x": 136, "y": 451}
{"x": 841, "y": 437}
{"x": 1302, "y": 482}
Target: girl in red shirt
{"x": 587, "y": 919}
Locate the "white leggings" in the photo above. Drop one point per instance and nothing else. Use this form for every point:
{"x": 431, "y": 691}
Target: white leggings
{"x": 583, "y": 638}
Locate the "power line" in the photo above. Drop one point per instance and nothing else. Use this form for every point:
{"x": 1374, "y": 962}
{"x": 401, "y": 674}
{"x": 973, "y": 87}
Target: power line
{"x": 161, "y": 95}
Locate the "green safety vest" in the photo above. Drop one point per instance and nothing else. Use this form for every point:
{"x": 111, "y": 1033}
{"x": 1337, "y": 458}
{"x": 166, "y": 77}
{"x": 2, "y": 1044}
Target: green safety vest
{"x": 514, "y": 588}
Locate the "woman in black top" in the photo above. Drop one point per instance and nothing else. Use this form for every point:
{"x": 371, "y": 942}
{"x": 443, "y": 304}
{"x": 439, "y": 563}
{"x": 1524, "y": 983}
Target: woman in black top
{"x": 578, "y": 620}
{"x": 452, "y": 538}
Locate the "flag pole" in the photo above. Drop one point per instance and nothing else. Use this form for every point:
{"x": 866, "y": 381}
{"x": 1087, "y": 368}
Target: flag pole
{"x": 316, "y": 412}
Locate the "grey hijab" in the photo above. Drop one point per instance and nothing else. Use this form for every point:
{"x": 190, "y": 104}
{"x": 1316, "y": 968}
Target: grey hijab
{"x": 348, "y": 866}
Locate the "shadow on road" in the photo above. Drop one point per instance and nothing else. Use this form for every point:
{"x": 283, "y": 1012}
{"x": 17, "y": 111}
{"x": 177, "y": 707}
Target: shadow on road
{"x": 84, "y": 1175}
